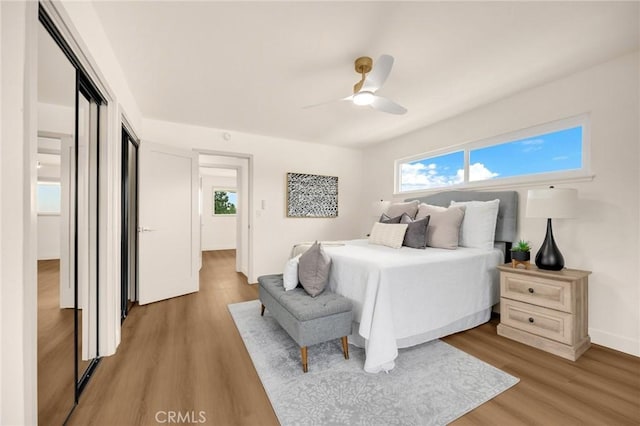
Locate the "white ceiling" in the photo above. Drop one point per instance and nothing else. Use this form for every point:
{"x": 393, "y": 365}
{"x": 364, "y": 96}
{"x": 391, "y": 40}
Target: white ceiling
{"x": 251, "y": 66}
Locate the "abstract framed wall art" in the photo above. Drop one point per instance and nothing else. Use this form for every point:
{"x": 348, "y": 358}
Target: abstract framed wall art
{"x": 312, "y": 195}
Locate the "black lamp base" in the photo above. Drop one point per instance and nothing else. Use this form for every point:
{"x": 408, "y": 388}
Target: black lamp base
{"x": 549, "y": 256}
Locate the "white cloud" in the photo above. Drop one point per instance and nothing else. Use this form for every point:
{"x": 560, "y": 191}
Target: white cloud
{"x": 420, "y": 176}
{"x": 533, "y": 142}
{"x": 478, "y": 171}
{"x": 532, "y": 145}
{"x": 560, "y": 157}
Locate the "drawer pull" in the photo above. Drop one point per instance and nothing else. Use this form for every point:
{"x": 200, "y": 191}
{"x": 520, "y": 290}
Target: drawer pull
{"x": 531, "y": 290}
{"x": 531, "y": 320}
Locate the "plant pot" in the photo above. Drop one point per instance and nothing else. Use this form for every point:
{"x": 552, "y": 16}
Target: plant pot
{"x": 521, "y": 256}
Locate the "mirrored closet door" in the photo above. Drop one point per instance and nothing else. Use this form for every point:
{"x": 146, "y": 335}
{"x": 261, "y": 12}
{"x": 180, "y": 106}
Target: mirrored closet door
{"x": 68, "y": 236}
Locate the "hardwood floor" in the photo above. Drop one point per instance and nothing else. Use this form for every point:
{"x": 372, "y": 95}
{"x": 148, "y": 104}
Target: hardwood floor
{"x": 183, "y": 354}
{"x": 55, "y": 348}
{"x": 186, "y": 355}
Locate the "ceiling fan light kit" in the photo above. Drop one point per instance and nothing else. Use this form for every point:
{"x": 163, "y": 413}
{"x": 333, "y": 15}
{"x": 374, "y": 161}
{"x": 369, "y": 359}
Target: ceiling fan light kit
{"x": 363, "y": 98}
{"x": 364, "y": 91}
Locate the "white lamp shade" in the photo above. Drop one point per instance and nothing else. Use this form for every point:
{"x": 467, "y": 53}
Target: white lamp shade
{"x": 552, "y": 203}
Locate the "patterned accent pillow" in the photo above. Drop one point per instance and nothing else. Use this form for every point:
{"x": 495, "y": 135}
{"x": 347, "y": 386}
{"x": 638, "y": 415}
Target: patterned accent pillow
{"x": 388, "y": 234}
{"x": 313, "y": 270}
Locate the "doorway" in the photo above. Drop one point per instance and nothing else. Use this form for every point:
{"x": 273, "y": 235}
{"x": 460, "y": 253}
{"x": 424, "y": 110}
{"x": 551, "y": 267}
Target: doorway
{"x": 214, "y": 169}
{"x": 220, "y": 208}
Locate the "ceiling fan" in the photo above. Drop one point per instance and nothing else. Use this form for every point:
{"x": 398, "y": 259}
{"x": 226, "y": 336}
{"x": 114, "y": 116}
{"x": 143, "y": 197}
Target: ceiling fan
{"x": 364, "y": 91}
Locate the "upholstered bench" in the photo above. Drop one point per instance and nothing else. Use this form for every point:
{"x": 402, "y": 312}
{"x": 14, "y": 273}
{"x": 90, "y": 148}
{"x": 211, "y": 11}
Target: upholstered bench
{"x": 308, "y": 320}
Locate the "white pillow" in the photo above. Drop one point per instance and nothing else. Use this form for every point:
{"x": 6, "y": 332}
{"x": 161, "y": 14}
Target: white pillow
{"x": 290, "y": 273}
{"x": 388, "y": 234}
{"x": 478, "y": 227}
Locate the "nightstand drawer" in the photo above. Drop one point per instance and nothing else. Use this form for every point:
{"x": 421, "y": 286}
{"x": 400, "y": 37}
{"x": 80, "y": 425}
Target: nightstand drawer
{"x": 539, "y": 291}
{"x": 537, "y": 320}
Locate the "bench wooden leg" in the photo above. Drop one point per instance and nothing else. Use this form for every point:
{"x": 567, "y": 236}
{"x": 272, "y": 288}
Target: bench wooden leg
{"x": 303, "y": 352}
{"x": 262, "y": 311}
{"x": 345, "y": 347}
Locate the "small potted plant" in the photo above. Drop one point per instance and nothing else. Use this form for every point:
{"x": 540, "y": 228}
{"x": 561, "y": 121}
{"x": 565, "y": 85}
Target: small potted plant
{"x": 521, "y": 251}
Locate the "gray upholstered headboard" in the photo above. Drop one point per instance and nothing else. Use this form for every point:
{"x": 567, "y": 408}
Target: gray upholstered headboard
{"x": 507, "y": 213}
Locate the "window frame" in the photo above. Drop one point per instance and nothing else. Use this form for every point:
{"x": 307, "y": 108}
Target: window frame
{"x": 584, "y": 173}
{"x": 213, "y": 201}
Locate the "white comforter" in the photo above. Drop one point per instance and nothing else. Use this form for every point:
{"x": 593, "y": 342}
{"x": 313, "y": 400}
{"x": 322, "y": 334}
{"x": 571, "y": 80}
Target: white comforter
{"x": 399, "y": 294}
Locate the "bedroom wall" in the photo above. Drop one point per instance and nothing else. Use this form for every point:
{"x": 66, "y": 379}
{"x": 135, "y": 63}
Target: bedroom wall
{"x": 48, "y": 237}
{"x": 218, "y": 232}
{"x": 273, "y": 233}
{"x": 18, "y": 279}
{"x": 604, "y": 238}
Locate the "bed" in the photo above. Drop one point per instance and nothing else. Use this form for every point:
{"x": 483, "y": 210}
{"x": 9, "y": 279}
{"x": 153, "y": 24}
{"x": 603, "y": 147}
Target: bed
{"x": 404, "y": 297}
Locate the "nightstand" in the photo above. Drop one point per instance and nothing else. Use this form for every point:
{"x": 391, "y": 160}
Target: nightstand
{"x": 545, "y": 309}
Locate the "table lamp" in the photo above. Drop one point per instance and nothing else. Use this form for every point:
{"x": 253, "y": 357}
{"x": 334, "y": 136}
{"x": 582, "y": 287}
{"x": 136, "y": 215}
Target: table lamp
{"x": 551, "y": 203}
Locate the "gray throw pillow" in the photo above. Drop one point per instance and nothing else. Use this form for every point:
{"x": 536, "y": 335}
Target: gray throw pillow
{"x": 313, "y": 270}
{"x": 416, "y": 235}
{"x": 386, "y": 219}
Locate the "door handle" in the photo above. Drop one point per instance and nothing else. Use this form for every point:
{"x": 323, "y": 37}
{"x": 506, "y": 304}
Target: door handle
{"x": 145, "y": 229}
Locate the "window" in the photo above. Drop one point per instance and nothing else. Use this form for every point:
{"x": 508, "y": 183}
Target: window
{"x": 432, "y": 172}
{"x": 224, "y": 202}
{"x": 555, "y": 150}
{"x": 49, "y": 198}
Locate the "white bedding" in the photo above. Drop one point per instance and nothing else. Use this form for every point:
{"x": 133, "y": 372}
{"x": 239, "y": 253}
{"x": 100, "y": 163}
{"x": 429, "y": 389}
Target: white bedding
{"x": 406, "y": 296}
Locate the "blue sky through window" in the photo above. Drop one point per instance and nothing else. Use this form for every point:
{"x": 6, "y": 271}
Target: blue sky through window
{"x": 233, "y": 198}
{"x": 545, "y": 153}
{"x": 550, "y": 152}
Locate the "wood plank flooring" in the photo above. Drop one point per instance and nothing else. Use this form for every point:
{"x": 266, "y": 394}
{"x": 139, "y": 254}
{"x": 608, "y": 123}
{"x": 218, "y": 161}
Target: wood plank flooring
{"x": 55, "y": 348}
{"x": 186, "y": 355}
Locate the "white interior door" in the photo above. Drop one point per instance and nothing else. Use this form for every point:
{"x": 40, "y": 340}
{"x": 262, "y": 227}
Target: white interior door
{"x": 169, "y": 229}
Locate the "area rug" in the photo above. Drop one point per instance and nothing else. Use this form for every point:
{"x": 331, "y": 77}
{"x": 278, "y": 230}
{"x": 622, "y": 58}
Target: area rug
{"x": 432, "y": 384}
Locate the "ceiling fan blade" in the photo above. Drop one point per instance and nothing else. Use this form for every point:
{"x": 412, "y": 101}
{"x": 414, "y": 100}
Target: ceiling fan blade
{"x": 348, "y": 98}
{"x": 376, "y": 78}
{"x": 386, "y": 105}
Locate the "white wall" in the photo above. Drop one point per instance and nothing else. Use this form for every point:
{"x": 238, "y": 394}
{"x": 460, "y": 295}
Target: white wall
{"x": 18, "y": 147}
{"x": 48, "y": 237}
{"x": 604, "y": 238}
{"x": 218, "y": 232}
{"x": 273, "y": 233}
{"x": 56, "y": 119}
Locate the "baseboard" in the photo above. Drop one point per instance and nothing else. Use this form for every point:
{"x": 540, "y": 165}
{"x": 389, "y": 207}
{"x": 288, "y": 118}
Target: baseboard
{"x": 613, "y": 341}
